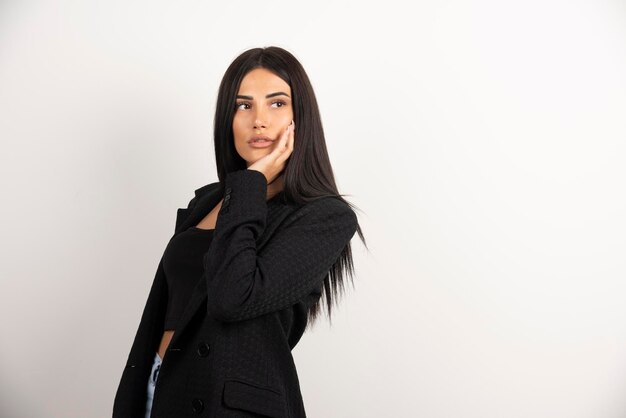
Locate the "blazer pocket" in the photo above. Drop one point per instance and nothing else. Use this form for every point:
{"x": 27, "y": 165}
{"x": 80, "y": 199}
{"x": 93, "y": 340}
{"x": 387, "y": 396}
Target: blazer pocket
{"x": 254, "y": 398}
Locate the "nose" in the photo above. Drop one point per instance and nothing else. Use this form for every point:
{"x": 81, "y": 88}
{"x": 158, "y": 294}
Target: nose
{"x": 261, "y": 121}
{"x": 259, "y": 125}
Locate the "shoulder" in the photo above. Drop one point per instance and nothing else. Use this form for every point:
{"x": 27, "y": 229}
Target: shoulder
{"x": 326, "y": 209}
{"x": 330, "y": 204}
{"x": 203, "y": 191}
{"x": 207, "y": 188}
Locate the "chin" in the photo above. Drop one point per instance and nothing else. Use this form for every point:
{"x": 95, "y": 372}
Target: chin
{"x": 250, "y": 161}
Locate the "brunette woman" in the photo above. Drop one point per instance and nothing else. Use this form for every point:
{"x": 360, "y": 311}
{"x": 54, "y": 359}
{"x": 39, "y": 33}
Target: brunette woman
{"x": 250, "y": 258}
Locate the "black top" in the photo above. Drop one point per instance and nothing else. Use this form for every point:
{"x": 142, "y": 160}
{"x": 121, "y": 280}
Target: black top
{"x": 182, "y": 263}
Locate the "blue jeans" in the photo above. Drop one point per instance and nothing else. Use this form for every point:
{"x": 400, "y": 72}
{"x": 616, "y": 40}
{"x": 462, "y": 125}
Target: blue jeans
{"x": 154, "y": 374}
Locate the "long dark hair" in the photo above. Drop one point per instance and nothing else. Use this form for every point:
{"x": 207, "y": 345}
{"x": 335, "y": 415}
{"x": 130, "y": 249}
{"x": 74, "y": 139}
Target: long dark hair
{"x": 308, "y": 174}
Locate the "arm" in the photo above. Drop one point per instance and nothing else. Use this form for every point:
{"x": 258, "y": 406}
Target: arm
{"x": 243, "y": 283}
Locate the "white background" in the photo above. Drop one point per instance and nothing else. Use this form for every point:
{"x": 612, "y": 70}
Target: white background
{"x": 483, "y": 141}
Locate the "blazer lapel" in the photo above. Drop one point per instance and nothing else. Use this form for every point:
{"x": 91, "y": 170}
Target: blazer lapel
{"x": 207, "y": 198}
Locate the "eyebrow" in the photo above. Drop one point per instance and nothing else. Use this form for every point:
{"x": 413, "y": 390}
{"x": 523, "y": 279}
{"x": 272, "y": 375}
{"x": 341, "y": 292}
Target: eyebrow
{"x": 278, "y": 93}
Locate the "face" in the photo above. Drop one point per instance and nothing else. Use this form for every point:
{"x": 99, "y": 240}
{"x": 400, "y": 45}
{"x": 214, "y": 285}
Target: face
{"x": 263, "y": 108}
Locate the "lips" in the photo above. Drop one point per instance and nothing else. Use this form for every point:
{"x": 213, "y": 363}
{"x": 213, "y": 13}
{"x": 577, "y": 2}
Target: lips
{"x": 257, "y": 138}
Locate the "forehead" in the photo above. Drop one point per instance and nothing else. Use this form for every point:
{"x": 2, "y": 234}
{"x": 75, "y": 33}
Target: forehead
{"x": 264, "y": 81}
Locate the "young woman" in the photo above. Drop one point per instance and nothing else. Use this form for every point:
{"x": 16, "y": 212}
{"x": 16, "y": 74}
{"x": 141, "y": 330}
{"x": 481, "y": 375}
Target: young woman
{"x": 250, "y": 257}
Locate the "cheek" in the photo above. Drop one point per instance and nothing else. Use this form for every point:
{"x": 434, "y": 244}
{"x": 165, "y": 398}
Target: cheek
{"x": 240, "y": 137}
{"x": 237, "y": 130}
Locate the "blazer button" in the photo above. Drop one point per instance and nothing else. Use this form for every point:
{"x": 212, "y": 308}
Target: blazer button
{"x": 197, "y": 405}
{"x": 227, "y": 197}
{"x": 228, "y": 190}
{"x": 203, "y": 349}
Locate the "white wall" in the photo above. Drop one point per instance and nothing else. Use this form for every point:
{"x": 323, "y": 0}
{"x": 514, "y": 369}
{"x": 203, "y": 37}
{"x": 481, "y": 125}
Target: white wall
{"x": 483, "y": 140}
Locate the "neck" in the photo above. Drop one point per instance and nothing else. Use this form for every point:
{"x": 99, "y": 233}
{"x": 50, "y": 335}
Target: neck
{"x": 275, "y": 186}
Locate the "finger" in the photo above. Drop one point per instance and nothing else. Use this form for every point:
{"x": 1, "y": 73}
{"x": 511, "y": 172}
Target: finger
{"x": 289, "y": 144}
{"x": 282, "y": 142}
{"x": 288, "y": 148}
{"x": 284, "y": 137}
{"x": 287, "y": 136}
{"x": 275, "y": 153}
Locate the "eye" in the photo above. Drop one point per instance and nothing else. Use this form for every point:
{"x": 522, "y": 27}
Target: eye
{"x": 239, "y": 104}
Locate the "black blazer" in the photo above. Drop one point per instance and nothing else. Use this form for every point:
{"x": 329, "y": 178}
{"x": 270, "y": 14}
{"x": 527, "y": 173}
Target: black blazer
{"x": 231, "y": 354}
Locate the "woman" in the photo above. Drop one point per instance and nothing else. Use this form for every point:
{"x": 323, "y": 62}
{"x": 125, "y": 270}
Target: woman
{"x": 250, "y": 257}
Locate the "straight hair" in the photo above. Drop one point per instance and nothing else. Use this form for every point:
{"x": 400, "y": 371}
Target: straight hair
{"x": 308, "y": 174}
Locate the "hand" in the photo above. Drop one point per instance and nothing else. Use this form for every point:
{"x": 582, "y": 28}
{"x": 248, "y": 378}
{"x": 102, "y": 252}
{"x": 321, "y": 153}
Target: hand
{"x": 272, "y": 164}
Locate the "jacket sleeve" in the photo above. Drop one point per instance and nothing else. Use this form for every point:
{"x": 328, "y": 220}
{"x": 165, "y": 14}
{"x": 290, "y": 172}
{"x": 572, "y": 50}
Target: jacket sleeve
{"x": 243, "y": 283}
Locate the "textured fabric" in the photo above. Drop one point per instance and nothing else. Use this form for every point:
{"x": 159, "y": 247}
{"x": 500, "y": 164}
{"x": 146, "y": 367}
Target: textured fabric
{"x": 182, "y": 264}
{"x": 231, "y": 353}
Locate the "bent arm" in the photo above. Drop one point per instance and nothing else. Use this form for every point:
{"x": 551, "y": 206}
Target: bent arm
{"x": 242, "y": 282}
